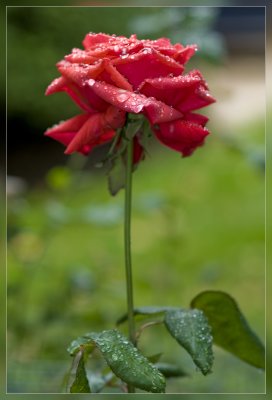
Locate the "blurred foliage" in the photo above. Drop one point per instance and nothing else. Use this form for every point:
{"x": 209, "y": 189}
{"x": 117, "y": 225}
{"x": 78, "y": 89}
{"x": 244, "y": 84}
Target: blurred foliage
{"x": 198, "y": 223}
{"x": 38, "y": 37}
{"x": 188, "y": 25}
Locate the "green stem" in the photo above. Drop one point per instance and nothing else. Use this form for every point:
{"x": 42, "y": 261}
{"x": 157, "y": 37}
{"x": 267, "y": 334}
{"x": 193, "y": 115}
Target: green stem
{"x": 127, "y": 235}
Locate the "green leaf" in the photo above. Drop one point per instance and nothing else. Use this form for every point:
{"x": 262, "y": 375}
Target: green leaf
{"x": 171, "y": 370}
{"x": 191, "y": 330}
{"x": 229, "y": 327}
{"x": 116, "y": 175}
{"x": 145, "y": 135}
{"x": 133, "y": 128}
{"x": 147, "y": 311}
{"x": 82, "y": 341}
{"x": 128, "y": 363}
{"x": 80, "y": 384}
{"x": 124, "y": 359}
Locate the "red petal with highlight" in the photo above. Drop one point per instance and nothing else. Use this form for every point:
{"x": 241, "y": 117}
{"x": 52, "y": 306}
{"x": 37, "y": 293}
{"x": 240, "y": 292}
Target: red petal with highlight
{"x": 148, "y": 63}
{"x": 182, "y": 136}
{"x": 93, "y": 39}
{"x": 185, "y": 92}
{"x": 156, "y": 111}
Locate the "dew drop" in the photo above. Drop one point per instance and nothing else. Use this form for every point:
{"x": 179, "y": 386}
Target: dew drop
{"x": 122, "y": 97}
{"x": 91, "y": 82}
{"x": 138, "y": 108}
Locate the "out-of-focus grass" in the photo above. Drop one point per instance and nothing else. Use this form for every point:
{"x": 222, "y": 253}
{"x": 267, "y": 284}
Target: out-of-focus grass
{"x": 197, "y": 224}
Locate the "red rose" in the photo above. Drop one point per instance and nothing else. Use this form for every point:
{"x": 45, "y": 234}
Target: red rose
{"x": 118, "y": 75}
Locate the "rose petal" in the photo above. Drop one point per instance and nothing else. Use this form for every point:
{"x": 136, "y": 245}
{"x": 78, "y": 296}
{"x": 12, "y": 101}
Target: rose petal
{"x": 63, "y": 85}
{"x": 148, "y": 63}
{"x": 106, "y": 137}
{"x": 99, "y": 128}
{"x": 56, "y": 86}
{"x": 65, "y": 131}
{"x": 80, "y": 56}
{"x": 198, "y": 99}
{"x": 93, "y": 39}
{"x": 114, "y": 117}
{"x": 73, "y": 83}
{"x": 184, "y": 55}
{"x": 66, "y": 137}
{"x": 138, "y": 151}
{"x": 182, "y": 136}
{"x": 161, "y": 42}
{"x": 118, "y": 79}
{"x": 70, "y": 125}
{"x": 197, "y": 118}
{"x": 78, "y": 73}
{"x": 88, "y": 133}
{"x": 185, "y": 92}
{"x": 156, "y": 111}
{"x": 170, "y": 90}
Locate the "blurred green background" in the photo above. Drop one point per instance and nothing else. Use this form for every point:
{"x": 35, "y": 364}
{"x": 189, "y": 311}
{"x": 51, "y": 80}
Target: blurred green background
{"x": 198, "y": 223}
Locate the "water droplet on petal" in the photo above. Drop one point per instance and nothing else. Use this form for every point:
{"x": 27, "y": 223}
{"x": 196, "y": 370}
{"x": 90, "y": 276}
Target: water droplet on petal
{"x": 91, "y": 82}
{"x": 122, "y": 97}
{"x": 147, "y": 50}
{"x": 138, "y": 108}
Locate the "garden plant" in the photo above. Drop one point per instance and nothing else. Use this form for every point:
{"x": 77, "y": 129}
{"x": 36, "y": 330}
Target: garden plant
{"x": 128, "y": 90}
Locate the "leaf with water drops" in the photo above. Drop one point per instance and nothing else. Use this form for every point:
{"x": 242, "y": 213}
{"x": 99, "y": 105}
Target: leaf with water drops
{"x": 191, "y": 330}
{"x": 127, "y": 362}
{"x": 147, "y": 311}
{"x": 80, "y": 384}
{"x": 229, "y": 327}
{"x": 123, "y": 358}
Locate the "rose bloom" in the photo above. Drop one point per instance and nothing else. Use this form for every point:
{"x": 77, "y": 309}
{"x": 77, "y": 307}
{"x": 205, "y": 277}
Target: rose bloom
{"x": 115, "y": 75}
